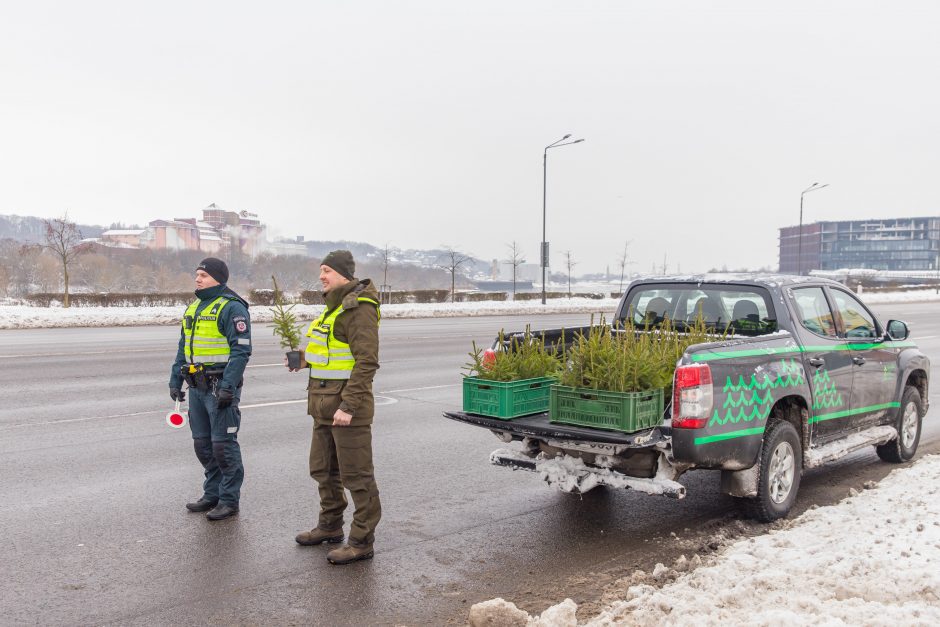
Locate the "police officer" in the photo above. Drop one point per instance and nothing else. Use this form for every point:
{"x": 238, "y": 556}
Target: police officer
{"x": 214, "y": 347}
{"x": 343, "y": 355}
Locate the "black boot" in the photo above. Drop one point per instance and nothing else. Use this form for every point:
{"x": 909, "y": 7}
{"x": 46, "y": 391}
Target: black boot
{"x": 202, "y": 505}
{"x": 222, "y": 511}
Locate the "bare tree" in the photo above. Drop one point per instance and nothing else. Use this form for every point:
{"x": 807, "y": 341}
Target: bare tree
{"x": 64, "y": 240}
{"x": 385, "y": 289}
{"x": 451, "y": 261}
{"x": 35, "y": 270}
{"x": 569, "y": 264}
{"x": 5, "y": 276}
{"x": 624, "y": 261}
{"x": 92, "y": 269}
{"x": 516, "y": 259}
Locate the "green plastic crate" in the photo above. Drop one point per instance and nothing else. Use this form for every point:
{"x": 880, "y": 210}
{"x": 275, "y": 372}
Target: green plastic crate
{"x": 506, "y": 399}
{"x": 620, "y": 411}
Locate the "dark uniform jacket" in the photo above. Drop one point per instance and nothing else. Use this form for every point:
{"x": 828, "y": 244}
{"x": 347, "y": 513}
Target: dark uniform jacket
{"x": 235, "y": 324}
{"x": 358, "y": 326}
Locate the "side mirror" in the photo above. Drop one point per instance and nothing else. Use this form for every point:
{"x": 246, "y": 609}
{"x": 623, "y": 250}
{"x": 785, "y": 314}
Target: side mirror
{"x": 897, "y": 330}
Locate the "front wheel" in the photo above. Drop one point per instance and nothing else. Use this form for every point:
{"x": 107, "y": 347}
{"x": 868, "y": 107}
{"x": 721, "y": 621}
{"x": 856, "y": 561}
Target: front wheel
{"x": 781, "y": 466}
{"x": 910, "y": 414}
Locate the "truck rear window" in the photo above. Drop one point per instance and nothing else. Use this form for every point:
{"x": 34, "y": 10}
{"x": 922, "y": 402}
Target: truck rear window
{"x": 745, "y": 310}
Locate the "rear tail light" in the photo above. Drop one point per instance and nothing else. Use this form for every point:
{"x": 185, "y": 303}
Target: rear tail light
{"x": 691, "y": 396}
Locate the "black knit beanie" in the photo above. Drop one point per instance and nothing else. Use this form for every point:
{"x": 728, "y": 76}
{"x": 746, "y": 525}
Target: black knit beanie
{"x": 341, "y": 261}
{"x": 215, "y": 268}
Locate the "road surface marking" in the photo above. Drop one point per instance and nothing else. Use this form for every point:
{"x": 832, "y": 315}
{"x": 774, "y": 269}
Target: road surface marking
{"x": 379, "y": 401}
{"x": 430, "y": 387}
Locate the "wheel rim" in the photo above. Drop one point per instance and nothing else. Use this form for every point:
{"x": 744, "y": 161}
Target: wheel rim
{"x": 909, "y": 425}
{"x": 782, "y": 471}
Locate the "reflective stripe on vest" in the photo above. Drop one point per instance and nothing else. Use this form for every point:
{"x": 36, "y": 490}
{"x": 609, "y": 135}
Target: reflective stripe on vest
{"x": 328, "y": 357}
{"x": 204, "y": 343}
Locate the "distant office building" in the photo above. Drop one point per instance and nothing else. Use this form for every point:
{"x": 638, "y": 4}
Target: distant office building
{"x": 897, "y": 244}
{"x": 243, "y": 229}
{"x": 122, "y": 238}
{"x": 217, "y": 232}
{"x": 284, "y": 246}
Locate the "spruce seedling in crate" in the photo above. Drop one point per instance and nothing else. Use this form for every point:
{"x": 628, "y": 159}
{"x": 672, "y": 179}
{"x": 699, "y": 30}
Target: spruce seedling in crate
{"x": 509, "y": 383}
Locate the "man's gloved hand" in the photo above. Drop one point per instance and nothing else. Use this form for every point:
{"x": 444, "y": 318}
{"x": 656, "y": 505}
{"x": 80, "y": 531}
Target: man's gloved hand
{"x": 177, "y": 394}
{"x": 225, "y": 397}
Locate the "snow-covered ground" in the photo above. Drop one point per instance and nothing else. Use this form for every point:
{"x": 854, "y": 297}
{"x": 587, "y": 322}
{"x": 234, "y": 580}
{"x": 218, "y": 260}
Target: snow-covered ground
{"x": 22, "y": 317}
{"x": 873, "y": 559}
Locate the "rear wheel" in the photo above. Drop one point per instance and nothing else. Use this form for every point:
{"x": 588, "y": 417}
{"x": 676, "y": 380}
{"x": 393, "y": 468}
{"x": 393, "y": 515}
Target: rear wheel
{"x": 781, "y": 465}
{"x": 908, "y": 423}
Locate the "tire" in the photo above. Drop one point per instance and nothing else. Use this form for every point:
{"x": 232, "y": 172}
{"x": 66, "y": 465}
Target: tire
{"x": 781, "y": 466}
{"x": 908, "y": 423}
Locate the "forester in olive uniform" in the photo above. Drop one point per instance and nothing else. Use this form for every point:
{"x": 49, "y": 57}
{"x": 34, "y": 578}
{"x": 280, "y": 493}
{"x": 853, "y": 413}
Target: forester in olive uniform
{"x": 214, "y": 347}
{"x": 343, "y": 355}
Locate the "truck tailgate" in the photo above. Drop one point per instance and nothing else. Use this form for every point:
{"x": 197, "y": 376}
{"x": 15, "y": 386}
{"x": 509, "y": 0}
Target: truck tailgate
{"x": 538, "y": 426}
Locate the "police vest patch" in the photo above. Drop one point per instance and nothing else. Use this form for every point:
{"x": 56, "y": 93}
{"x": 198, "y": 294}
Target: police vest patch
{"x": 241, "y": 326}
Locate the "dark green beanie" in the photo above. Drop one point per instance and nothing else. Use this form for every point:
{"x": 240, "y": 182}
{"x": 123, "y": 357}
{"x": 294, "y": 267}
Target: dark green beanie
{"x": 341, "y": 261}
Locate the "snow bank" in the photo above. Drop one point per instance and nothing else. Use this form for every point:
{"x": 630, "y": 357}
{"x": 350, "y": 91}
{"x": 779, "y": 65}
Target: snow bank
{"x": 502, "y": 613}
{"x": 22, "y": 317}
{"x": 869, "y": 560}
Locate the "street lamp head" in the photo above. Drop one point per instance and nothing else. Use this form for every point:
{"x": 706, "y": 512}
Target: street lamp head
{"x": 578, "y": 140}
{"x": 814, "y": 187}
{"x": 566, "y": 136}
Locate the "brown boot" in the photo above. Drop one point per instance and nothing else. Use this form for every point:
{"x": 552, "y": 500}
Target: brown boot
{"x": 350, "y": 553}
{"x": 319, "y": 536}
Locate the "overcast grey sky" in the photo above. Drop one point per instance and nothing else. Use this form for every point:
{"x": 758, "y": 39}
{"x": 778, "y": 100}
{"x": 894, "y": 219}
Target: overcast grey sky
{"x": 423, "y": 123}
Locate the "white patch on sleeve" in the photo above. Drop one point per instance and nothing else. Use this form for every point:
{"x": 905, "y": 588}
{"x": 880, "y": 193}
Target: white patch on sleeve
{"x": 243, "y": 340}
{"x": 232, "y": 430}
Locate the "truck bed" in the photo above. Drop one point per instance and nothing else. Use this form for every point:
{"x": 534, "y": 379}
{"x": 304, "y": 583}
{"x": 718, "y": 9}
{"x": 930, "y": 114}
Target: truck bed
{"x": 538, "y": 426}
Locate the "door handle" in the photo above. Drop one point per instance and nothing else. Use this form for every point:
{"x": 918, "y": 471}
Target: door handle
{"x": 817, "y": 362}
{"x": 858, "y": 360}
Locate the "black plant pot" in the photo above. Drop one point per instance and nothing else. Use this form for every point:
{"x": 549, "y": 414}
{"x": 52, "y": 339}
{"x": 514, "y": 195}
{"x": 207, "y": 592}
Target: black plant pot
{"x": 294, "y": 360}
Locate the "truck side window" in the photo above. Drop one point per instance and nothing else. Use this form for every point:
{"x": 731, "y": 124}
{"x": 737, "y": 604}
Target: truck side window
{"x": 813, "y": 311}
{"x": 855, "y": 318}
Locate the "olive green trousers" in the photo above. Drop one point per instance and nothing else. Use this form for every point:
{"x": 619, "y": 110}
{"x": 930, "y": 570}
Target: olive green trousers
{"x": 341, "y": 457}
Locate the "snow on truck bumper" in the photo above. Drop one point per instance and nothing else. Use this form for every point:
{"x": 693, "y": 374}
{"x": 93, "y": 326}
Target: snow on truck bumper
{"x": 570, "y": 474}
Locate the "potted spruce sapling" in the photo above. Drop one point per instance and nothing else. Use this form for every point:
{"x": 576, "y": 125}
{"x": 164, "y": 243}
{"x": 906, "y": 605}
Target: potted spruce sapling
{"x": 286, "y": 329}
{"x": 619, "y": 378}
{"x": 511, "y": 383}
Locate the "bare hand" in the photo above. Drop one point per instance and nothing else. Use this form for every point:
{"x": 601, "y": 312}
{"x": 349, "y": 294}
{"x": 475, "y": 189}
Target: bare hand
{"x": 341, "y": 418}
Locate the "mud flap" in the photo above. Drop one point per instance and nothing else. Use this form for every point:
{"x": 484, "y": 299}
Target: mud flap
{"x": 741, "y": 483}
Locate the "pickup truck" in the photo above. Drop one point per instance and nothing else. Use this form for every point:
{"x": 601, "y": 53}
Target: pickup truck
{"x": 803, "y": 374}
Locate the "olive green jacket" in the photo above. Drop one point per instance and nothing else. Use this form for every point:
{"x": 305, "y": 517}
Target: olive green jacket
{"x": 358, "y": 326}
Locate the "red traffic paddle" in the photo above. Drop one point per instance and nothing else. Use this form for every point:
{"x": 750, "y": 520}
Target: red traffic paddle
{"x": 176, "y": 418}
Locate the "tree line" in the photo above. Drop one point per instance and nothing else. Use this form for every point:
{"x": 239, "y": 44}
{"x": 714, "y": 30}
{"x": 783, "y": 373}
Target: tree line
{"x": 65, "y": 264}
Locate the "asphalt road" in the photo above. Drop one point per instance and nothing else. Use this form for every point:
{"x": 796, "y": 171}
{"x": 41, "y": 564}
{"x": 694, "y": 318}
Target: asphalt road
{"x": 93, "y": 482}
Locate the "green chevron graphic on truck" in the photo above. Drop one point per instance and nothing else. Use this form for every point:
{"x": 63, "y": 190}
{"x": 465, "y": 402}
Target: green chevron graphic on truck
{"x": 825, "y": 394}
{"x": 752, "y": 400}
{"x": 790, "y": 374}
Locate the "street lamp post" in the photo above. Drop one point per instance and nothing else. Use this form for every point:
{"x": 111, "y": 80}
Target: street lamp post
{"x": 544, "y": 251}
{"x": 799, "y": 254}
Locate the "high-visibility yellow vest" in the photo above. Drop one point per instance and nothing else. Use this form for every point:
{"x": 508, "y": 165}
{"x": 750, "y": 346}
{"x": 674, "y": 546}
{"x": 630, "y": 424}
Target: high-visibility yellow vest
{"x": 328, "y": 357}
{"x": 204, "y": 343}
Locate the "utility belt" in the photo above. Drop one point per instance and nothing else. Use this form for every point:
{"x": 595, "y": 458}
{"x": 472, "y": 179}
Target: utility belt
{"x": 204, "y": 378}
